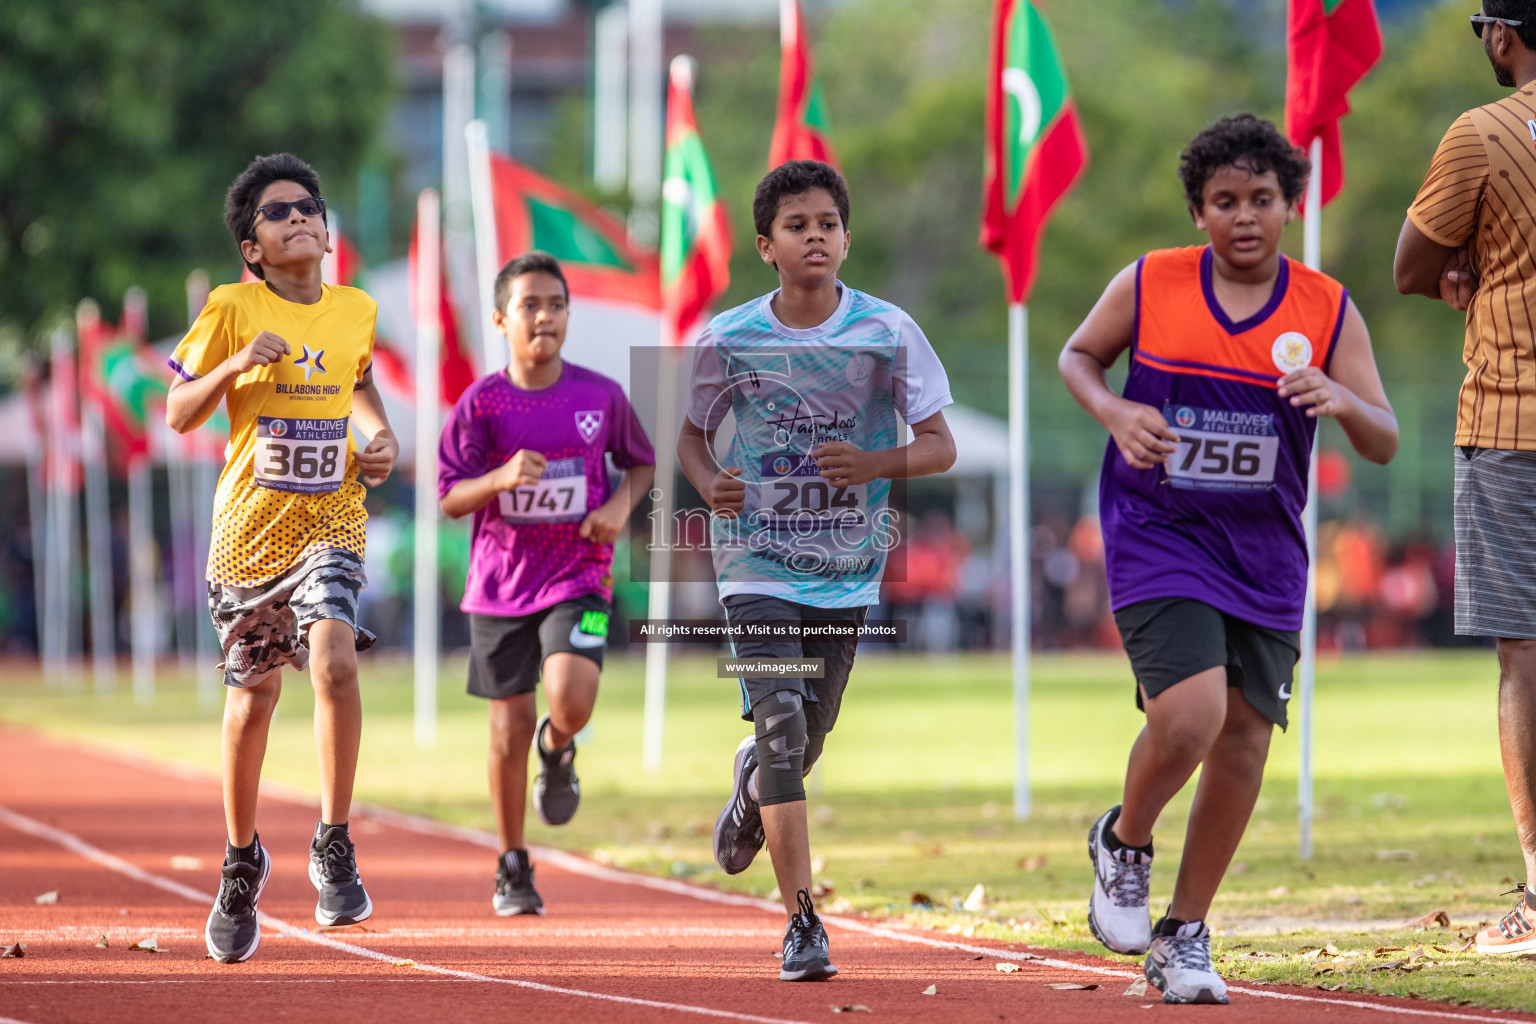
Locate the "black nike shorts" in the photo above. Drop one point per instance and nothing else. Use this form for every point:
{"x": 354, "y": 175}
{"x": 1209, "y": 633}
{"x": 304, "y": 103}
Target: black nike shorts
{"x": 1170, "y": 639}
{"x": 506, "y": 653}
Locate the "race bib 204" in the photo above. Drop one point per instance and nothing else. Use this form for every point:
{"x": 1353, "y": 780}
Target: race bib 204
{"x": 795, "y": 496}
{"x": 1222, "y": 450}
{"x": 301, "y": 455}
{"x": 560, "y": 496}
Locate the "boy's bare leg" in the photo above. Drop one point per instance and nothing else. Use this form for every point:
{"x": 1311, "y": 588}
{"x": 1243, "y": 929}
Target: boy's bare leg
{"x": 1182, "y": 723}
{"x": 512, "y": 723}
{"x": 1517, "y": 741}
{"x": 247, "y": 716}
{"x": 788, "y": 839}
{"x": 338, "y": 714}
{"x": 1224, "y": 800}
{"x": 570, "y": 687}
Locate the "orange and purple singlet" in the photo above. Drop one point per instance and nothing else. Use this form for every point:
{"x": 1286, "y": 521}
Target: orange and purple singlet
{"x": 1220, "y": 521}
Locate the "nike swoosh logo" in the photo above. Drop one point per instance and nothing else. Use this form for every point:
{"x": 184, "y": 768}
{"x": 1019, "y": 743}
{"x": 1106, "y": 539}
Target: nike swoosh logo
{"x": 1285, "y": 691}
{"x": 585, "y": 640}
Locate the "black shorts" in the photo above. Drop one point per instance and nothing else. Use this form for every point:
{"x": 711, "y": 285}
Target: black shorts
{"x": 823, "y": 697}
{"x": 506, "y": 654}
{"x": 1170, "y": 639}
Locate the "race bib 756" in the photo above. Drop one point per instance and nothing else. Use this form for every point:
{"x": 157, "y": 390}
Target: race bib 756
{"x": 1222, "y": 450}
{"x": 305, "y": 456}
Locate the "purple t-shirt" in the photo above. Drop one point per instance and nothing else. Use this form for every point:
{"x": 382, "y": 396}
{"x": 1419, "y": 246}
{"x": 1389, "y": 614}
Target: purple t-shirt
{"x": 526, "y": 551}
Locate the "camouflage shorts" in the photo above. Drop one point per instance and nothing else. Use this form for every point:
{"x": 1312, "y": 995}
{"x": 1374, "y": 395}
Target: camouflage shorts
{"x": 266, "y": 627}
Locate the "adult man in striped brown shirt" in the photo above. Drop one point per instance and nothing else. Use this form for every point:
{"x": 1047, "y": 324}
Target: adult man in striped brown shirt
{"x": 1468, "y": 241}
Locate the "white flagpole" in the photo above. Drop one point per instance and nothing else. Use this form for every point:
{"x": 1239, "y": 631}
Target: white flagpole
{"x": 98, "y": 520}
{"x": 1018, "y": 530}
{"x": 610, "y": 88}
{"x": 647, "y": 108}
{"x": 487, "y": 246}
{"x": 1307, "y": 677}
{"x": 204, "y": 482}
{"x": 143, "y": 576}
{"x": 428, "y": 289}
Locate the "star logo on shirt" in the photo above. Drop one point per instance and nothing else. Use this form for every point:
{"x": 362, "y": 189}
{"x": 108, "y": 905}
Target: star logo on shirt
{"x": 311, "y": 362}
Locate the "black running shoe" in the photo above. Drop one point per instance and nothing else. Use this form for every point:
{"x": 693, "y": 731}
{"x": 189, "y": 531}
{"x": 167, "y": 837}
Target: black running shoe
{"x": 556, "y": 790}
{"x": 805, "y": 946}
{"x": 333, "y": 871}
{"x": 739, "y": 829}
{"x": 515, "y": 893}
{"x": 233, "y": 932}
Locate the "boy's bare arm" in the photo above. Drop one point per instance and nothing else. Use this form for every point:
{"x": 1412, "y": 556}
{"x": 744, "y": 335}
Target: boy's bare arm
{"x": 1351, "y": 392}
{"x": 189, "y": 403}
{"x": 523, "y": 469}
{"x": 604, "y": 523}
{"x": 1140, "y": 431}
{"x": 931, "y": 451}
{"x": 721, "y": 489}
{"x": 378, "y": 458}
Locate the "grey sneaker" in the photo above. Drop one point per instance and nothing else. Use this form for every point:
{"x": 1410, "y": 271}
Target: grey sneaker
{"x": 333, "y": 871}
{"x": 1118, "y": 910}
{"x": 805, "y": 945}
{"x": 739, "y": 829}
{"x": 515, "y": 893}
{"x": 1179, "y": 963}
{"x": 233, "y": 932}
{"x": 556, "y": 790}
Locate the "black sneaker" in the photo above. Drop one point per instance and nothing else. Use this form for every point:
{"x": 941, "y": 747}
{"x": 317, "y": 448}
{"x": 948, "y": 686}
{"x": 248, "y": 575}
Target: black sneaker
{"x": 233, "y": 932}
{"x": 556, "y": 790}
{"x": 333, "y": 871}
{"x": 515, "y": 893}
{"x": 805, "y": 946}
{"x": 739, "y": 829}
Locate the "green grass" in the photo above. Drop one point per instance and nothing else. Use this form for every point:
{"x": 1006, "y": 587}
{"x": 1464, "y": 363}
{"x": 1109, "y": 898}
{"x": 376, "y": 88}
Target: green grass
{"x": 914, "y": 795}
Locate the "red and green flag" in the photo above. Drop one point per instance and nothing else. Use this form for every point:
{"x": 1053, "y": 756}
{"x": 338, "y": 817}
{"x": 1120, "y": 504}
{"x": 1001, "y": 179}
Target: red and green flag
{"x": 1330, "y": 45}
{"x": 1035, "y": 145}
{"x": 800, "y": 130}
{"x": 593, "y": 247}
{"x": 695, "y": 232}
{"x": 455, "y": 370}
{"x": 120, "y": 377}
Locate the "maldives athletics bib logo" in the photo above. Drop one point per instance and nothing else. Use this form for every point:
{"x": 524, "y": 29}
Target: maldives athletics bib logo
{"x": 589, "y": 423}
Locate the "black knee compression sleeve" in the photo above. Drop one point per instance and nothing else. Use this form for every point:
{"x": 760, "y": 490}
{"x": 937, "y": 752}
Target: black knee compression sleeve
{"x": 813, "y": 747}
{"x": 779, "y": 721}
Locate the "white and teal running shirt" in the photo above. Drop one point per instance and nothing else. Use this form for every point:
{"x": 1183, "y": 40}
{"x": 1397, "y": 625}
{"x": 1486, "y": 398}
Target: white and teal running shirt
{"x": 800, "y": 538}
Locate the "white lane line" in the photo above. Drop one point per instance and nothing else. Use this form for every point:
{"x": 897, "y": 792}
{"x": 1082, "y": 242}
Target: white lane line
{"x": 581, "y": 866}
{"x": 76, "y": 845}
{"x": 13, "y": 1020}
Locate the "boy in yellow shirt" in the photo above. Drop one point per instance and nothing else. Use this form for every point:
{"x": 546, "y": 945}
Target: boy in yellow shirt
{"x": 292, "y": 359}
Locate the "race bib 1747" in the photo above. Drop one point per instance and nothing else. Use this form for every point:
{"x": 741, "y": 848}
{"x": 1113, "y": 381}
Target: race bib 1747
{"x": 560, "y": 495}
{"x": 1222, "y": 450}
{"x": 300, "y": 455}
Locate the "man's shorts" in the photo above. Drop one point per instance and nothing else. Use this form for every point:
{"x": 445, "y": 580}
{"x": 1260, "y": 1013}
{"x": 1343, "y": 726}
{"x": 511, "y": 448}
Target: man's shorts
{"x": 823, "y": 697}
{"x": 1170, "y": 639}
{"x": 266, "y": 627}
{"x": 1495, "y": 543}
{"x": 506, "y": 653}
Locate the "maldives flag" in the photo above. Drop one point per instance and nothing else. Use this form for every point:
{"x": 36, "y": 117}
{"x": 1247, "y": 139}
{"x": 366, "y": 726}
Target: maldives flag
{"x": 593, "y": 248}
{"x": 1035, "y": 145}
{"x": 800, "y": 130}
{"x": 695, "y": 232}
{"x": 456, "y": 372}
{"x": 1330, "y": 45}
{"x": 119, "y": 375}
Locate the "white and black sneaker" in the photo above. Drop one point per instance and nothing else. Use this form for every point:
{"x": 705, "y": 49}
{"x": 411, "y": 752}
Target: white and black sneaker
{"x": 805, "y": 945}
{"x": 1179, "y": 963}
{"x": 1122, "y": 879}
{"x": 556, "y": 790}
{"x": 739, "y": 829}
{"x": 233, "y": 931}
{"x": 515, "y": 893}
{"x": 333, "y": 872}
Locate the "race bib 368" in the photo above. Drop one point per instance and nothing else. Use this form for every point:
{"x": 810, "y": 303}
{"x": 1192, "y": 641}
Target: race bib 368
{"x": 300, "y": 455}
{"x": 1222, "y": 450}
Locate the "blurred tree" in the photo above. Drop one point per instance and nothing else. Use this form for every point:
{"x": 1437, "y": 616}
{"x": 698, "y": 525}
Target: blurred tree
{"x": 124, "y": 121}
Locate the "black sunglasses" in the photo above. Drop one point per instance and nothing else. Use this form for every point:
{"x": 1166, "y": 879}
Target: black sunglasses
{"x": 310, "y": 206}
{"x": 1479, "y": 20}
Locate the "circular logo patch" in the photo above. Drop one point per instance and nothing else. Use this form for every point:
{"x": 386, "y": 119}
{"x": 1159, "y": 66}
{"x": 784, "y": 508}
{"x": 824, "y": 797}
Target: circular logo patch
{"x": 781, "y": 466}
{"x": 859, "y": 367}
{"x": 278, "y": 428}
{"x": 1291, "y": 352}
{"x": 1185, "y": 417}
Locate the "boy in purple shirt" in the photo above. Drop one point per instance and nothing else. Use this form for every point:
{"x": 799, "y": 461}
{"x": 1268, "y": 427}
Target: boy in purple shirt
{"x": 523, "y": 453}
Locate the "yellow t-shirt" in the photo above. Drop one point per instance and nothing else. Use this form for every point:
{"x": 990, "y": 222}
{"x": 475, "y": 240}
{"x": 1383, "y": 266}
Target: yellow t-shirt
{"x": 289, "y": 486}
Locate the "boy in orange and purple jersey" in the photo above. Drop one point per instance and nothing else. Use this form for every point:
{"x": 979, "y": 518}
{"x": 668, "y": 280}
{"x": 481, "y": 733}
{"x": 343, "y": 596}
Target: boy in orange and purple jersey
{"x": 291, "y": 358}
{"x": 1235, "y": 352}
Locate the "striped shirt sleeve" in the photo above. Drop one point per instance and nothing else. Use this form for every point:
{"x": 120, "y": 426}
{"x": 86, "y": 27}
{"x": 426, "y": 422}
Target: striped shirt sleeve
{"x": 1445, "y": 209}
{"x": 207, "y": 344}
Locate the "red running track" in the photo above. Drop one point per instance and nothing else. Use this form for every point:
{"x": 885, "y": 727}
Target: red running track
{"x": 112, "y": 837}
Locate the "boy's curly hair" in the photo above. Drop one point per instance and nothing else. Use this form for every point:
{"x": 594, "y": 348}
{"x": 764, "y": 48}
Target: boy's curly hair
{"x": 792, "y": 179}
{"x": 240, "y": 202}
{"x": 1243, "y": 141}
